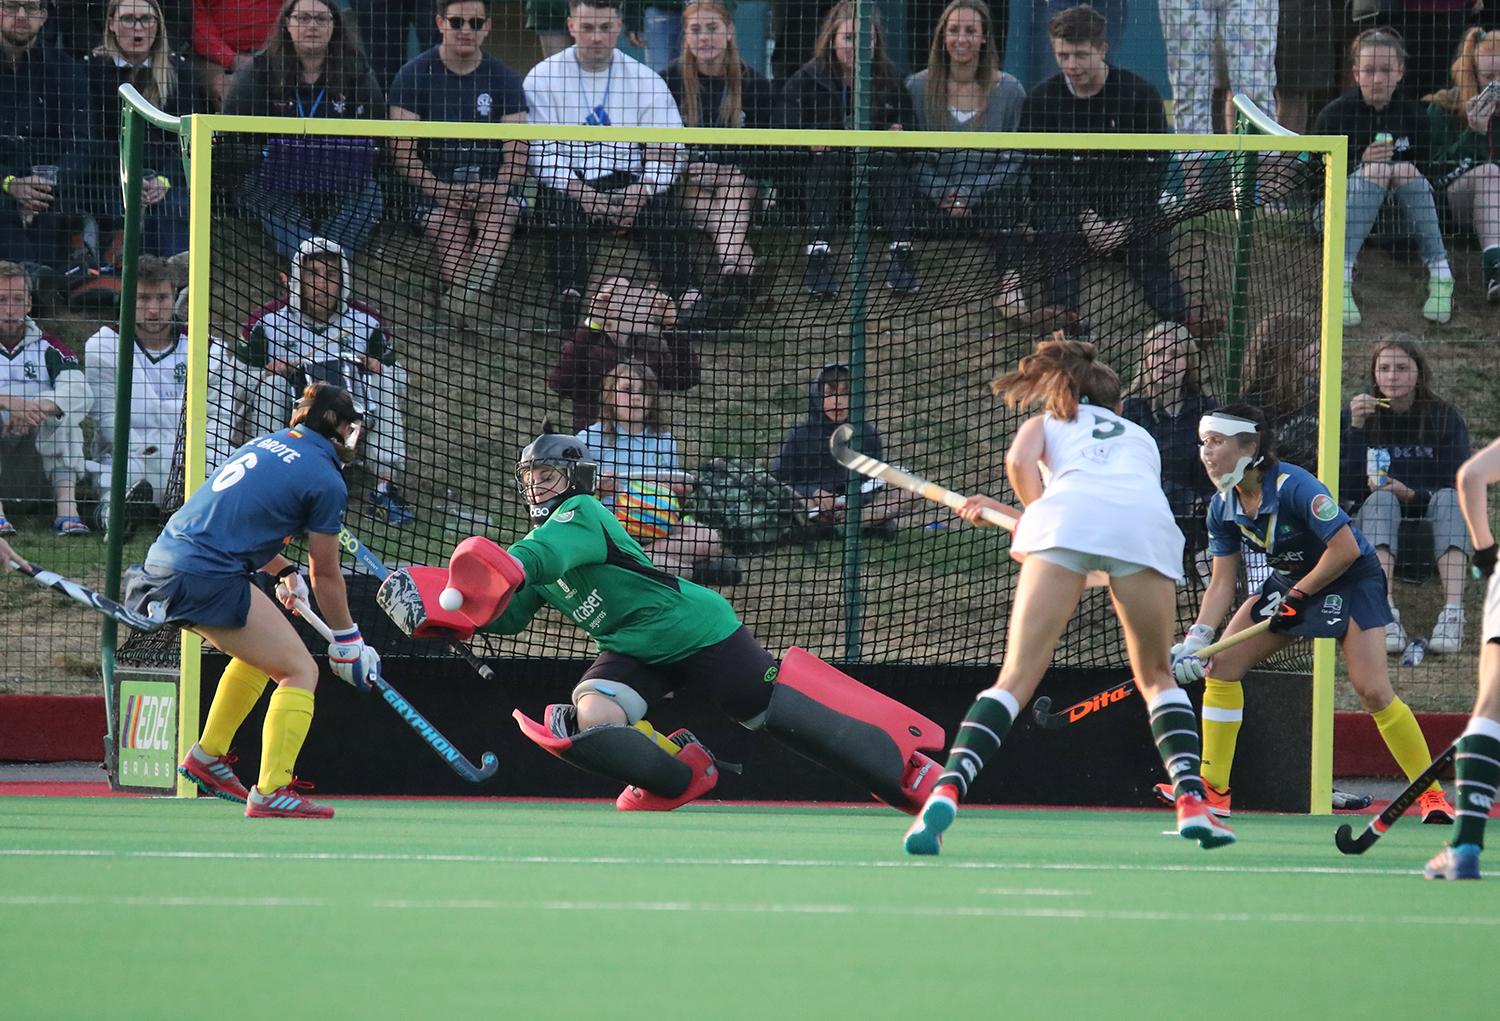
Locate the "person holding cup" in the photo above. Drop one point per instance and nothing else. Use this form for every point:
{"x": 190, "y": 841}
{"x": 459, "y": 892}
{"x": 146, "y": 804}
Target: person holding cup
{"x": 1401, "y": 451}
{"x": 136, "y": 50}
{"x": 44, "y": 116}
{"x": 1387, "y": 153}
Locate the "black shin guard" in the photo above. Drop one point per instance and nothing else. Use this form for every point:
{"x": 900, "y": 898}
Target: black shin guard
{"x": 616, "y": 751}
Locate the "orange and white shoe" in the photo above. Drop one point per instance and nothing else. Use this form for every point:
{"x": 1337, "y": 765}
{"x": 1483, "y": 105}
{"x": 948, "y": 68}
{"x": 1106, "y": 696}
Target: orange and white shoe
{"x": 1218, "y": 801}
{"x": 285, "y": 803}
{"x": 1196, "y": 821}
{"x": 1435, "y": 808}
{"x": 214, "y": 776}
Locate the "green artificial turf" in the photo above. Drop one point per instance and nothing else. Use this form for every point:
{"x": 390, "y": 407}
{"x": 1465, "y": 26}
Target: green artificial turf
{"x": 166, "y": 909}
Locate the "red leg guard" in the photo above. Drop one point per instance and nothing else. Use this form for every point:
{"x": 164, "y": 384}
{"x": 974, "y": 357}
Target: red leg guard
{"x": 618, "y": 752}
{"x": 854, "y": 730}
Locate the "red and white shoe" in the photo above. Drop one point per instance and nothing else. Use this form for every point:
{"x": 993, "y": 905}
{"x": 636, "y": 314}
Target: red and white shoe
{"x": 1218, "y": 801}
{"x": 705, "y": 776}
{"x": 1196, "y": 821}
{"x": 214, "y": 777}
{"x": 285, "y": 803}
{"x": 1435, "y": 808}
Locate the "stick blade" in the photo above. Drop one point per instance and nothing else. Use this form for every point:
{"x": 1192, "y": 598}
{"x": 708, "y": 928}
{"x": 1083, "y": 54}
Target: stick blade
{"x": 1347, "y": 843}
{"x": 838, "y": 443}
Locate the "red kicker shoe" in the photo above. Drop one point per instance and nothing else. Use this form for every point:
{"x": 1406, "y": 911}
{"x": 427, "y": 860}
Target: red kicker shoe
{"x": 918, "y": 781}
{"x": 705, "y": 776}
{"x": 214, "y": 777}
{"x": 285, "y": 803}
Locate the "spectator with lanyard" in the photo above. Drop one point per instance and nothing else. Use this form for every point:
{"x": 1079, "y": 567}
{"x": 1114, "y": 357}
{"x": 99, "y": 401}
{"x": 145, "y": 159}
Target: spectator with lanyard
{"x": 1387, "y": 156}
{"x": 714, "y": 88}
{"x": 137, "y": 50}
{"x": 963, "y": 89}
{"x": 312, "y": 66}
{"x": 1401, "y": 450}
{"x": 820, "y": 97}
{"x": 1462, "y": 144}
{"x": 1326, "y": 583}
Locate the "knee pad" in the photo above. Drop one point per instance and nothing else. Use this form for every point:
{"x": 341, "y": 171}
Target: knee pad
{"x": 623, "y": 695}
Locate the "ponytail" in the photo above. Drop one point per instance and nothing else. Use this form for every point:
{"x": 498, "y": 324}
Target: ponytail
{"x": 1060, "y": 375}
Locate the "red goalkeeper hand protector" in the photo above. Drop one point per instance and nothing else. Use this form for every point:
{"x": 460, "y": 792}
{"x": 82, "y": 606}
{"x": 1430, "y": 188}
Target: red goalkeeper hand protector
{"x": 484, "y": 573}
{"x": 1292, "y": 611}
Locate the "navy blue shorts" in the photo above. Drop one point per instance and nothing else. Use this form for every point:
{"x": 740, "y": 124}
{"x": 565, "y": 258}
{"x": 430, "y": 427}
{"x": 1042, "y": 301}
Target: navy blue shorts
{"x": 1359, "y": 595}
{"x": 209, "y": 600}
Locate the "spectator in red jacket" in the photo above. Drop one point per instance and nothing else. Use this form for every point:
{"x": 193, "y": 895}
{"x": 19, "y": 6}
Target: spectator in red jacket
{"x": 226, "y": 34}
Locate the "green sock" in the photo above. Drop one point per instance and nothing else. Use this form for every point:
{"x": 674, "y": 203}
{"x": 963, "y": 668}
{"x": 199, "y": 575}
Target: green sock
{"x": 1478, "y": 770}
{"x": 979, "y": 737}
{"x": 1175, "y": 728}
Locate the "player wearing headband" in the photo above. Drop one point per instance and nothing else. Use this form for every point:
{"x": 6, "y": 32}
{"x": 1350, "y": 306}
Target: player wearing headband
{"x": 286, "y": 483}
{"x": 655, "y": 632}
{"x": 1103, "y": 509}
{"x": 1325, "y": 583}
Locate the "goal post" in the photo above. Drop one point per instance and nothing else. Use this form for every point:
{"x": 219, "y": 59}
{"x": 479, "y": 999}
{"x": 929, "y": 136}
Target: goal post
{"x": 916, "y": 364}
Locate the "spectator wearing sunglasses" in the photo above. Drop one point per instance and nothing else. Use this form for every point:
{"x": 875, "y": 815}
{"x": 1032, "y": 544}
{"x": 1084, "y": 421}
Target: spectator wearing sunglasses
{"x": 468, "y": 186}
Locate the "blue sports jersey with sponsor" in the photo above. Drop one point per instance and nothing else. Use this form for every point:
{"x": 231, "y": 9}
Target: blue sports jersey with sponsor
{"x": 276, "y": 486}
{"x": 1297, "y": 517}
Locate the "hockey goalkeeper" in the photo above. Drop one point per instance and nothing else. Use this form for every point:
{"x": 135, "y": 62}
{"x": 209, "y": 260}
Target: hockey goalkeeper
{"x": 655, "y": 632}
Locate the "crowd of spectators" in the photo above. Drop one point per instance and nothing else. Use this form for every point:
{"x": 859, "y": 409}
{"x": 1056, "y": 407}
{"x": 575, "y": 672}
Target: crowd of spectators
{"x": 1418, "y": 133}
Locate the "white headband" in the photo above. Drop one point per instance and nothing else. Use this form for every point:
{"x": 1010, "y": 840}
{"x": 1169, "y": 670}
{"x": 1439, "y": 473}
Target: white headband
{"x": 1225, "y": 425}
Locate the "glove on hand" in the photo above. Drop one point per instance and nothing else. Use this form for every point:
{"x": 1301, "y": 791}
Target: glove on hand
{"x": 1187, "y": 665}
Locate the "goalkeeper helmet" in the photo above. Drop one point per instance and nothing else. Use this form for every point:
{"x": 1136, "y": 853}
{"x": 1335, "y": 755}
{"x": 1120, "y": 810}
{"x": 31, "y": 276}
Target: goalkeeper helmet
{"x": 553, "y": 452}
{"x": 325, "y": 409}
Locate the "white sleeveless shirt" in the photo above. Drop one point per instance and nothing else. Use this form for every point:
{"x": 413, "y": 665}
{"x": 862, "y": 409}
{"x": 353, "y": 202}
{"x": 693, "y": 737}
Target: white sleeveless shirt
{"x": 1103, "y": 494}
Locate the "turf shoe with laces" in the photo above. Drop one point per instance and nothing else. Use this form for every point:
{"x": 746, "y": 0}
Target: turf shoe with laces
{"x": 705, "y": 777}
{"x": 1435, "y": 808}
{"x": 286, "y": 802}
{"x": 1196, "y": 821}
{"x": 1218, "y": 801}
{"x": 925, "y": 834}
{"x": 213, "y": 774}
{"x": 1460, "y": 862}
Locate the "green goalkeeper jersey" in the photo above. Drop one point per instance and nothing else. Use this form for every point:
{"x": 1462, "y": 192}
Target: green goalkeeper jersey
{"x": 583, "y": 562}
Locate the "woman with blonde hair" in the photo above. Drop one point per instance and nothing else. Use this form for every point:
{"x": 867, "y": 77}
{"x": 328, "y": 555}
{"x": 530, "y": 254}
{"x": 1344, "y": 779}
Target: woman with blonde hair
{"x": 714, "y": 88}
{"x": 1101, "y": 510}
{"x": 135, "y": 50}
{"x": 1462, "y": 146}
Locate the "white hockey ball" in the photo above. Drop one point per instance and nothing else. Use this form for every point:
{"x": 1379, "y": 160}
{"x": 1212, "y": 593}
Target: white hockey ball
{"x": 451, "y": 600}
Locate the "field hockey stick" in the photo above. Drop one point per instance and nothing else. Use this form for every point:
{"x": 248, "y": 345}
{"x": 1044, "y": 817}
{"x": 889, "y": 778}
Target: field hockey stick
{"x": 1040, "y": 709}
{"x": 425, "y": 730}
{"x": 351, "y": 544}
{"x": 93, "y": 600}
{"x": 1344, "y": 840}
{"x": 875, "y": 468}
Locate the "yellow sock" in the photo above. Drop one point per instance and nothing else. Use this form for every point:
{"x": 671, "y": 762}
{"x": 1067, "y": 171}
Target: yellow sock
{"x": 1403, "y": 736}
{"x": 239, "y": 690}
{"x": 662, "y": 742}
{"x": 1223, "y": 712}
{"x": 287, "y": 721}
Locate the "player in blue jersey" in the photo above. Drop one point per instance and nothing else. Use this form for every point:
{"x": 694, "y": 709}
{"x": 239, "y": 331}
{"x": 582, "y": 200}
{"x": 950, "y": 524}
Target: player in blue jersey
{"x": 1325, "y": 583}
{"x": 284, "y": 484}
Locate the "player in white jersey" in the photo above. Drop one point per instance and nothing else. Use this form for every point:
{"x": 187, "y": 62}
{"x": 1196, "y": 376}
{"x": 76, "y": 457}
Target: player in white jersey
{"x": 43, "y": 399}
{"x": 320, "y": 334}
{"x": 158, "y": 386}
{"x": 1102, "y": 510}
{"x": 1476, "y": 767}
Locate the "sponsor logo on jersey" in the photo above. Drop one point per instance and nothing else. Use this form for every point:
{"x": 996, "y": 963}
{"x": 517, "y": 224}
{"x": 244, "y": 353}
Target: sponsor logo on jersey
{"x": 564, "y": 517}
{"x": 1333, "y": 604}
{"x": 1323, "y": 507}
{"x": 483, "y": 104}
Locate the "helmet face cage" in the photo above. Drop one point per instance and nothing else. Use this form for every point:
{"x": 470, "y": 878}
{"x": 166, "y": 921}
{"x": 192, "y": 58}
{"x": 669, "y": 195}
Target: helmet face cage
{"x": 563, "y": 454}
